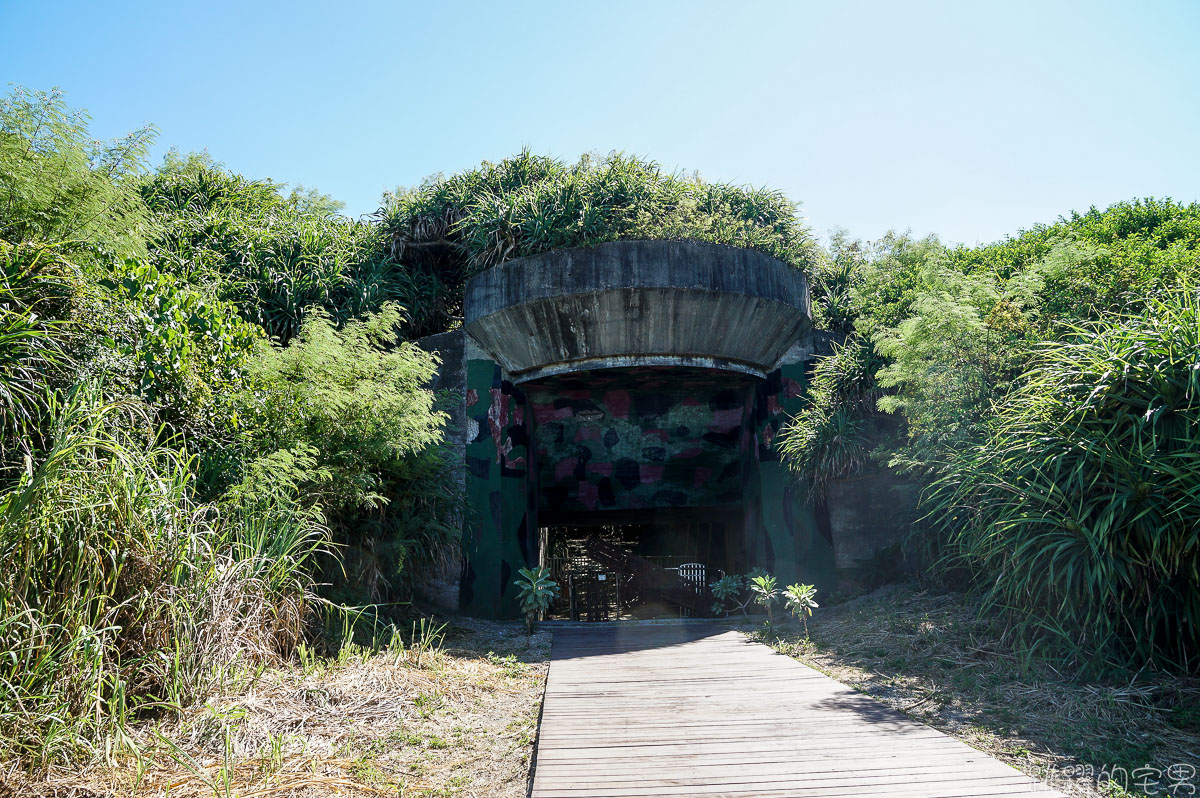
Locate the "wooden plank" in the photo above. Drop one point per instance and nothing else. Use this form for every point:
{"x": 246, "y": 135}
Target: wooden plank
{"x": 696, "y": 709}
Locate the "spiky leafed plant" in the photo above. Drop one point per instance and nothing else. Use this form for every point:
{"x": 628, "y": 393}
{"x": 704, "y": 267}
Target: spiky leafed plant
{"x": 832, "y": 437}
{"x": 34, "y": 292}
{"x": 1080, "y": 515}
{"x": 536, "y": 591}
{"x": 453, "y": 227}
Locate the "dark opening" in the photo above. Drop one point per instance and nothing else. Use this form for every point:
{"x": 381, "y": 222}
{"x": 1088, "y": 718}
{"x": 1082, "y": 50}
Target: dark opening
{"x": 638, "y": 564}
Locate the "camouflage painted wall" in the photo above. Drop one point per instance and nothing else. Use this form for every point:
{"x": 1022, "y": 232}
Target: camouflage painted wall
{"x": 500, "y": 532}
{"x": 641, "y": 437}
{"x": 625, "y": 440}
{"x": 782, "y": 534}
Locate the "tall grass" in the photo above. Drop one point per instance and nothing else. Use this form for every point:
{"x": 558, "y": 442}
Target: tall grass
{"x": 833, "y": 436}
{"x": 33, "y": 290}
{"x": 1080, "y": 516}
{"x": 450, "y": 228}
{"x": 121, "y": 594}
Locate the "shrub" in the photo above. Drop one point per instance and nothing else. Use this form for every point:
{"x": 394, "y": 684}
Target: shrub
{"x": 834, "y": 435}
{"x": 344, "y": 415}
{"x": 59, "y": 184}
{"x": 122, "y": 592}
{"x": 801, "y": 601}
{"x": 536, "y": 591}
{"x": 169, "y": 344}
{"x": 765, "y": 593}
{"x": 274, "y": 256}
{"x": 727, "y": 591}
{"x": 1080, "y": 514}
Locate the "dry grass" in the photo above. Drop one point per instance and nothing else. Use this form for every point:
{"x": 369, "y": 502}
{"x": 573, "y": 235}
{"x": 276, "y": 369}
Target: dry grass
{"x": 459, "y": 721}
{"x": 931, "y": 656}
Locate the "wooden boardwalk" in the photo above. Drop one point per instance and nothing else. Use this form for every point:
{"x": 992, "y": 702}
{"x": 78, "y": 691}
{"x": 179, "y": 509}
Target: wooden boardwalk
{"x": 645, "y": 710}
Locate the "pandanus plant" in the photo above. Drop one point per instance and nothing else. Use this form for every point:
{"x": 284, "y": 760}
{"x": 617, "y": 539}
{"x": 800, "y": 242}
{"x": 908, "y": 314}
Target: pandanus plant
{"x": 1080, "y": 515}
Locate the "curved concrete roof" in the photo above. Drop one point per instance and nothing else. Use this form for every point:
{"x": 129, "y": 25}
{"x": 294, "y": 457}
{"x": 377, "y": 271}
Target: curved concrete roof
{"x": 631, "y": 303}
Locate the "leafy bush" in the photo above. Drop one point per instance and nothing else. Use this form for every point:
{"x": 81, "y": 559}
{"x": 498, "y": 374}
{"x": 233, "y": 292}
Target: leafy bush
{"x": 345, "y": 416}
{"x": 953, "y": 329}
{"x": 59, "y": 184}
{"x": 872, "y": 288}
{"x": 727, "y": 591}
{"x": 274, "y": 256}
{"x": 968, "y": 338}
{"x": 1099, "y": 261}
{"x": 834, "y": 435}
{"x": 168, "y": 344}
{"x": 1081, "y": 511}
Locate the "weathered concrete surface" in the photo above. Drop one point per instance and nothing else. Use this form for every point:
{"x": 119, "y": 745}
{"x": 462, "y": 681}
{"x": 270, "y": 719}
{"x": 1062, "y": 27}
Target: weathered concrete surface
{"x": 868, "y": 513}
{"x": 630, "y": 303}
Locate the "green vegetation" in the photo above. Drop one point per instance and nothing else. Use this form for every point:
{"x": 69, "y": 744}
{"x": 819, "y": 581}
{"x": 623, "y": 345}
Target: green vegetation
{"x": 766, "y": 594}
{"x": 1044, "y": 392}
{"x": 1084, "y": 501}
{"x": 728, "y": 594}
{"x": 174, "y": 484}
{"x": 214, "y": 427}
{"x": 801, "y": 601}
{"x": 341, "y": 417}
{"x": 212, "y": 431}
{"x": 536, "y": 592}
{"x": 274, "y": 256}
{"x": 450, "y": 228}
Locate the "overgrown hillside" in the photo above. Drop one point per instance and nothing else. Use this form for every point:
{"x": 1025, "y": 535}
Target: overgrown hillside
{"x": 1045, "y": 391}
{"x": 216, "y": 443}
{"x": 216, "y": 440}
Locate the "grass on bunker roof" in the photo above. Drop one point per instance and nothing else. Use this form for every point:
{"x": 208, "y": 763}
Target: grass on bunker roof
{"x": 932, "y": 656}
{"x": 460, "y": 719}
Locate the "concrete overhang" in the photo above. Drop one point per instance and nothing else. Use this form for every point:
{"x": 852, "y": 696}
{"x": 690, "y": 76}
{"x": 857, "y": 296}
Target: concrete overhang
{"x": 638, "y": 303}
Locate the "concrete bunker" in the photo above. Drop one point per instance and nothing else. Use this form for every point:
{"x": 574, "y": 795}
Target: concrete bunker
{"x": 634, "y": 388}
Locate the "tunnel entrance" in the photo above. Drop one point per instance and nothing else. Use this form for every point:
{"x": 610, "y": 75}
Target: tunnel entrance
{"x": 652, "y": 563}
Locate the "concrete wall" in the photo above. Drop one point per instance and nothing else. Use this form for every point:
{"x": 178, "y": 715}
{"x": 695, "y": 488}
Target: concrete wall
{"x": 868, "y": 513}
{"x": 634, "y": 303}
{"x": 500, "y": 533}
{"x": 441, "y": 589}
{"x": 781, "y": 531}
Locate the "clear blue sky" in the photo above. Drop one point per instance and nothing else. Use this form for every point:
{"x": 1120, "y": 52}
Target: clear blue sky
{"x": 966, "y": 119}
